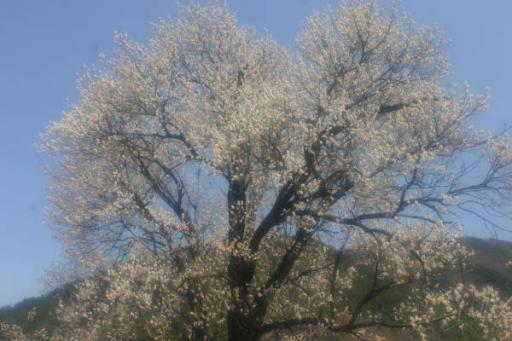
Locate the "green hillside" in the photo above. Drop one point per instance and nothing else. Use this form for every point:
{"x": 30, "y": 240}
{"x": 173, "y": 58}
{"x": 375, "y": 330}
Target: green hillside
{"x": 488, "y": 264}
{"x": 44, "y": 307}
{"x": 488, "y": 268}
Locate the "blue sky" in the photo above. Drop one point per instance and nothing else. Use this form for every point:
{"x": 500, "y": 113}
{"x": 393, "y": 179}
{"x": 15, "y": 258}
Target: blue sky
{"x": 44, "y": 45}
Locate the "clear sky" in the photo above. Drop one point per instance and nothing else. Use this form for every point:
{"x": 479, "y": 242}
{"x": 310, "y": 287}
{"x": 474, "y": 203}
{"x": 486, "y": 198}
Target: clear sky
{"x": 44, "y": 44}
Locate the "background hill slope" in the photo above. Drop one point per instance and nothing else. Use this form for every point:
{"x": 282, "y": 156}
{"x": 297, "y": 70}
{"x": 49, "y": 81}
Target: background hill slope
{"x": 488, "y": 267}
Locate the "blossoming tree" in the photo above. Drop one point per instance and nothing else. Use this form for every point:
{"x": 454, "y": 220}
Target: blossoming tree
{"x": 231, "y": 188}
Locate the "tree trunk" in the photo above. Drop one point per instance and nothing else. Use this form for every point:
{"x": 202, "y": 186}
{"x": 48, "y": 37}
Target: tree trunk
{"x": 242, "y": 325}
{"x": 241, "y": 328}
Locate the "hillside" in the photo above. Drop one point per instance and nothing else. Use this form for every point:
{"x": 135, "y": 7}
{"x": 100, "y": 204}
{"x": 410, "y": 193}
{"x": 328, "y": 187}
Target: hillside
{"x": 488, "y": 268}
{"x": 44, "y": 307}
{"x": 488, "y": 264}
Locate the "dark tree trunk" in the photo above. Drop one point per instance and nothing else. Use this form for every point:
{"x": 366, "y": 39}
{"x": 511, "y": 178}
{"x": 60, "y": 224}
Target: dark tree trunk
{"x": 241, "y": 327}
